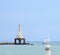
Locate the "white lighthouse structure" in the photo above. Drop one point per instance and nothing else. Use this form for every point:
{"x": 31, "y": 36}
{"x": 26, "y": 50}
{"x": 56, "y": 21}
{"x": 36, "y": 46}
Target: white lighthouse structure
{"x": 47, "y": 47}
{"x": 19, "y": 35}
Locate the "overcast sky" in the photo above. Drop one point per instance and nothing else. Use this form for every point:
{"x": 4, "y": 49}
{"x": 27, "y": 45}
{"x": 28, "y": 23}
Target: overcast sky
{"x": 39, "y": 19}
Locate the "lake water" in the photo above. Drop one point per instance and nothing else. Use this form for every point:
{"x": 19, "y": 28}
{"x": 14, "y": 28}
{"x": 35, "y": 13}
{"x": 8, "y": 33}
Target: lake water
{"x": 37, "y": 49}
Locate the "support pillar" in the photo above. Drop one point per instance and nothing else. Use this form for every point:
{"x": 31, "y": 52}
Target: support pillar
{"x": 19, "y": 40}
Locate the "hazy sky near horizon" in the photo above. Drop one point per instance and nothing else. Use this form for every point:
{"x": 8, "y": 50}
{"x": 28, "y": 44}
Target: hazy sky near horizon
{"x": 39, "y": 19}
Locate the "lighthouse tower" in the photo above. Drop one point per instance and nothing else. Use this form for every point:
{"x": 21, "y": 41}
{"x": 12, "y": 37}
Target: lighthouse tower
{"x": 19, "y": 37}
{"x": 47, "y": 47}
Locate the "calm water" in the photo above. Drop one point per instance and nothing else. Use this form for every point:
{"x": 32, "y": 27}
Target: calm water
{"x": 36, "y": 49}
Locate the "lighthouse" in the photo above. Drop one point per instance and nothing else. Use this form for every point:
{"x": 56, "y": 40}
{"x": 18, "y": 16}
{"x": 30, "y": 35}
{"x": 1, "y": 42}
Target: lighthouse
{"x": 19, "y": 36}
{"x": 47, "y": 47}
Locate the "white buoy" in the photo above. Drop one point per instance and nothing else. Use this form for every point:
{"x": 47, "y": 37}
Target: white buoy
{"x": 47, "y": 47}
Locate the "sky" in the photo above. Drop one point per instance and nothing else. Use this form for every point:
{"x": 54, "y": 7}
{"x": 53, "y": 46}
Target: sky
{"x": 38, "y": 18}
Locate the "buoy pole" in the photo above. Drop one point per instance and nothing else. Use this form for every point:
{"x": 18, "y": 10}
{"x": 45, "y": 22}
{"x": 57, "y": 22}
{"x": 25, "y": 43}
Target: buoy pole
{"x": 47, "y": 48}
